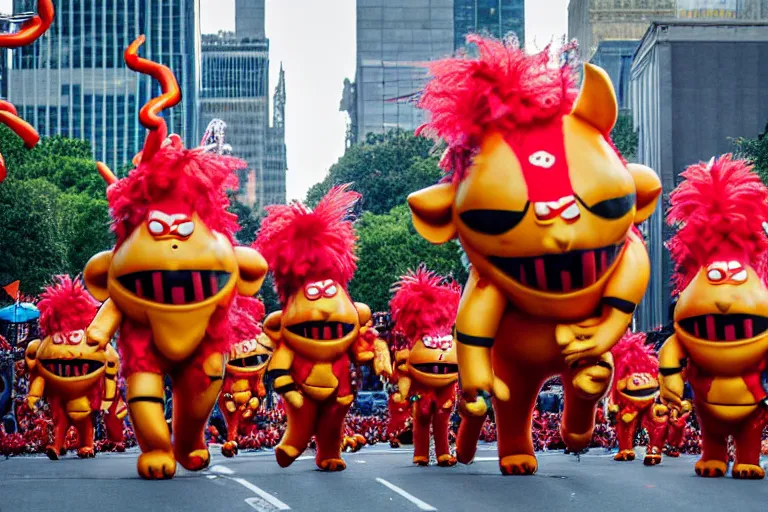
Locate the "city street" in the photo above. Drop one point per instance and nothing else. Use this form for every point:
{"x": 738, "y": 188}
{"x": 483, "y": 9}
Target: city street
{"x": 377, "y": 479}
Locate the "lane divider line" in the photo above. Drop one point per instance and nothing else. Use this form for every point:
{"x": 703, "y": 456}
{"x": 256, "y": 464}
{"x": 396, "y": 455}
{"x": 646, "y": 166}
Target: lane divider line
{"x": 279, "y": 505}
{"x": 221, "y": 470}
{"x": 410, "y": 497}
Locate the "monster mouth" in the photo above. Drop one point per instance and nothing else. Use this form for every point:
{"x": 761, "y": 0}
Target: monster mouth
{"x": 437, "y": 368}
{"x": 175, "y": 287}
{"x": 322, "y": 331}
{"x": 724, "y": 327}
{"x": 72, "y": 367}
{"x": 565, "y": 272}
{"x": 641, "y": 393}
{"x": 249, "y": 361}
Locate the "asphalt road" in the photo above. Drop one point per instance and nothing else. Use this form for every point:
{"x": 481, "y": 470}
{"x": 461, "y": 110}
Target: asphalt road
{"x": 377, "y": 479}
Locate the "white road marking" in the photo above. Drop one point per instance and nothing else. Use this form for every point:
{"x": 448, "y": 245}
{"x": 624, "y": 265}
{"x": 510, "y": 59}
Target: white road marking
{"x": 410, "y": 497}
{"x": 262, "y": 493}
{"x": 305, "y": 457}
{"x": 484, "y": 459}
{"x": 221, "y": 470}
{"x": 211, "y": 477}
{"x": 360, "y": 461}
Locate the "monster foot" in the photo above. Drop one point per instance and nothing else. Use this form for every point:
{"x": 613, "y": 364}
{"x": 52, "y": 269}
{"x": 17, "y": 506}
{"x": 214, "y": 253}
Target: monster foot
{"x": 711, "y": 468}
{"x": 53, "y": 453}
{"x": 652, "y": 457}
{"x": 120, "y": 447}
{"x": 229, "y": 449}
{"x": 625, "y": 455}
{"x": 349, "y": 444}
{"x": 446, "y": 460}
{"x": 421, "y": 461}
{"x": 673, "y": 452}
{"x": 156, "y": 465}
{"x": 747, "y": 472}
{"x": 332, "y": 465}
{"x": 394, "y": 443}
{"x": 575, "y": 443}
{"x": 62, "y": 452}
{"x": 286, "y": 454}
{"x": 518, "y": 465}
{"x": 196, "y": 460}
{"x": 591, "y": 382}
{"x": 86, "y": 452}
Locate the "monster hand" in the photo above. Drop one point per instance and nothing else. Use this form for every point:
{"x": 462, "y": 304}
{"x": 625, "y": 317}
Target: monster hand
{"x": 294, "y": 398}
{"x": 477, "y": 408}
{"x": 660, "y": 410}
{"x": 382, "y": 362}
{"x": 672, "y": 387}
{"x": 628, "y": 417}
{"x": 448, "y": 404}
{"x": 229, "y": 403}
{"x": 398, "y": 398}
{"x": 105, "y": 405}
{"x": 591, "y": 339}
{"x": 32, "y": 402}
{"x": 250, "y": 407}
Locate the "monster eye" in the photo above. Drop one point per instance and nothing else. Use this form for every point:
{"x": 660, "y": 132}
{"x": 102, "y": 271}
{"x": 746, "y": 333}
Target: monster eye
{"x": 312, "y": 292}
{"x": 58, "y": 339}
{"x": 739, "y": 277}
{"x": 330, "y": 291}
{"x": 75, "y": 337}
{"x": 157, "y": 227}
{"x": 493, "y": 222}
{"x": 715, "y": 275}
{"x": 612, "y": 209}
{"x": 186, "y": 228}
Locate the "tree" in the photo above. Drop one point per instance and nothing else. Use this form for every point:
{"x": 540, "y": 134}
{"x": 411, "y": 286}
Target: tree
{"x": 624, "y": 136}
{"x": 84, "y": 228}
{"x": 384, "y": 169}
{"x": 756, "y": 151}
{"x": 388, "y": 246}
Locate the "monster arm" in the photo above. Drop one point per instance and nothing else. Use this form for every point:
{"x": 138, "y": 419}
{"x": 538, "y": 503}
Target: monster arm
{"x": 403, "y": 388}
{"x": 671, "y": 356}
{"x": 280, "y": 371}
{"x": 104, "y": 326}
{"x": 623, "y": 291}
{"x": 480, "y": 312}
{"x": 110, "y": 378}
{"x": 37, "y": 383}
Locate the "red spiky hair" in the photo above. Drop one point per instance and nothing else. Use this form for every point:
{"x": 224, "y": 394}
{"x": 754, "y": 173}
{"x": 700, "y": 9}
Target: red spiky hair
{"x": 301, "y": 244}
{"x": 632, "y": 355}
{"x": 503, "y": 90}
{"x": 166, "y": 172}
{"x": 718, "y": 209}
{"x": 424, "y": 304}
{"x": 66, "y": 306}
{"x": 246, "y": 315}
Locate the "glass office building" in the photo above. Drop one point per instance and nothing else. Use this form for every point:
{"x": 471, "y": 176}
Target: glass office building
{"x": 73, "y": 80}
{"x": 498, "y": 18}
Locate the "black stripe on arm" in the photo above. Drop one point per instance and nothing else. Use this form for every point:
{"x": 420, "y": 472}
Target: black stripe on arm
{"x": 605, "y": 364}
{"x": 666, "y": 372}
{"x": 284, "y": 389}
{"x": 151, "y": 399}
{"x": 274, "y": 374}
{"x": 111, "y": 377}
{"x": 215, "y": 377}
{"x": 622, "y": 305}
{"x": 474, "y": 341}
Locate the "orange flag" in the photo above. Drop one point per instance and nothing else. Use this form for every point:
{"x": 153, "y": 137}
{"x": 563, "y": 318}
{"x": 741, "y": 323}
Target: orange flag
{"x": 12, "y": 290}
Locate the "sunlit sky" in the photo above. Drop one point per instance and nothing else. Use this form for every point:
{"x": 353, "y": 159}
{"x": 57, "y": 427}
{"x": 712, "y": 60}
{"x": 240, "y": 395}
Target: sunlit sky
{"x": 315, "y": 41}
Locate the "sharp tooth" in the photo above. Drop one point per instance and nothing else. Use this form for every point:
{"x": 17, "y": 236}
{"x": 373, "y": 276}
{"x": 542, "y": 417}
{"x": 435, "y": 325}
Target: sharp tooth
{"x": 588, "y": 268}
{"x": 60, "y": 370}
{"x": 748, "y": 328}
{"x": 315, "y": 333}
{"x": 339, "y": 330}
{"x": 76, "y": 370}
{"x": 435, "y": 369}
{"x": 327, "y": 332}
{"x": 67, "y": 369}
{"x": 571, "y": 212}
{"x": 85, "y": 368}
{"x": 157, "y": 287}
{"x": 541, "y": 209}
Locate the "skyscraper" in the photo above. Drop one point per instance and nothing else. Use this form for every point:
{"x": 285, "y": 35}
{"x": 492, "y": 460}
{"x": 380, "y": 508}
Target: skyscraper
{"x": 73, "y": 80}
{"x": 395, "y": 38}
{"x": 235, "y": 89}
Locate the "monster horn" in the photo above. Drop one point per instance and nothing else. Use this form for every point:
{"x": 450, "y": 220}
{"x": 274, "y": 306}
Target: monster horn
{"x": 106, "y": 173}
{"x": 9, "y": 117}
{"x": 32, "y": 28}
{"x": 150, "y": 112}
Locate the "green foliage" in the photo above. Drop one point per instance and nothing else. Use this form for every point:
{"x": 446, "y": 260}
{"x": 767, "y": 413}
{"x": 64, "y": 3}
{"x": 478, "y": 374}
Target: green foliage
{"x": 249, "y": 219}
{"x": 624, "y": 136}
{"x": 84, "y": 228}
{"x": 387, "y": 248}
{"x": 756, "y": 151}
{"x": 384, "y": 169}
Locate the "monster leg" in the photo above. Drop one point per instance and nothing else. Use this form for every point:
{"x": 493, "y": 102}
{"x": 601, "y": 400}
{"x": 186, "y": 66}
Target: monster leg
{"x": 441, "y": 423}
{"x": 514, "y": 418}
{"x": 329, "y": 434}
{"x": 421, "y": 422}
{"x": 114, "y": 425}
{"x": 748, "y": 441}
{"x": 229, "y": 449}
{"x": 674, "y": 438}
{"x": 60, "y": 427}
{"x": 146, "y": 398}
{"x": 192, "y": 406}
{"x": 659, "y": 430}
{"x": 84, "y": 429}
{"x": 714, "y": 446}
{"x": 579, "y": 411}
{"x": 468, "y": 436}
{"x": 301, "y": 427}
{"x": 625, "y": 434}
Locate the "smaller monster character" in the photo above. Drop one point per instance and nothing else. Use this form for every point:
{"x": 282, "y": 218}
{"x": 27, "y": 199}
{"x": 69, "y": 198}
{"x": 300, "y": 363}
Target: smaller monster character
{"x": 311, "y": 255}
{"x": 399, "y": 410}
{"x": 424, "y": 310}
{"x": 243, "y": 386}
{"x": 720, "y": 341}
{"x": 74, "y": 376}
{"x": 666, "y": 427}
{"x": 31, "y": 30}
{"x": 635, "y": 389}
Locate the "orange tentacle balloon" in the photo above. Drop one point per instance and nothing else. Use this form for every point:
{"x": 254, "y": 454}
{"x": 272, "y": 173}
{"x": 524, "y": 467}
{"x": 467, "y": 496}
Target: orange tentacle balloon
{"x": 106, "y": 173}
{"x": 150, "y": 113}
{"x": 32, "y": 29}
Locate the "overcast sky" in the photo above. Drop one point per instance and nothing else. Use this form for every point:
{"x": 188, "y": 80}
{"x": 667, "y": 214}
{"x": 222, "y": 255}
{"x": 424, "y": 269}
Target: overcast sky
{"x": 315, "y": 41}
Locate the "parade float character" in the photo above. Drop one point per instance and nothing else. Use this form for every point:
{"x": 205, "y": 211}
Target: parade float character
{"x": 243, "y": 386}
{"x": 544, "y": 207}
{"x": 169, "y": 282}
{"x": 666, "y": 428}
{"x": 311, "y": 256}
{"x": 721, "y": 316}
{"x": 634, "y": 391}
{"x": 74, "y": 376}
{"x": 424, "y": 309}
{"x": 31, "y": 29}
{"x": 399, "y": 410}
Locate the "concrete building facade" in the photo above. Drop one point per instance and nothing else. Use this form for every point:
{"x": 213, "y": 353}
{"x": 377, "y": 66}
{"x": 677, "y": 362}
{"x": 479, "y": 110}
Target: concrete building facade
{"x": 73, "y": 80}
